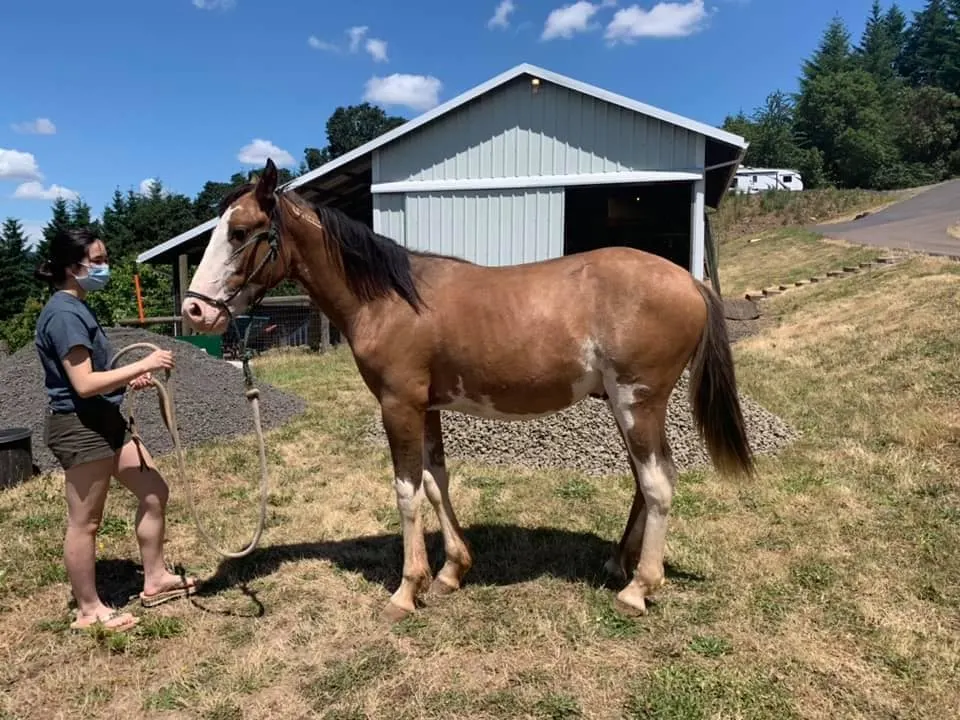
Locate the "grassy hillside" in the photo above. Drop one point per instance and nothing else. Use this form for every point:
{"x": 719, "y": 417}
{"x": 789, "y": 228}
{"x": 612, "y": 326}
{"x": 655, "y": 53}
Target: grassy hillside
{"x": 742, "y": 215}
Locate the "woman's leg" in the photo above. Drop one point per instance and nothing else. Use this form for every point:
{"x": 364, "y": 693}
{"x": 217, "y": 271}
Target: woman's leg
{"x": 152, "y": 493}
{"x": 86, "y": 491}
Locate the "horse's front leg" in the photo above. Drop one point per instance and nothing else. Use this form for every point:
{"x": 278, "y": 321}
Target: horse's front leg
{"x": 403, "y": 422}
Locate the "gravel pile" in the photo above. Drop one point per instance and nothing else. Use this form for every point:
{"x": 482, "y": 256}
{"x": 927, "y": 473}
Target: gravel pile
{"x": 208, "y": 394}
{"x": 585, "y": 437}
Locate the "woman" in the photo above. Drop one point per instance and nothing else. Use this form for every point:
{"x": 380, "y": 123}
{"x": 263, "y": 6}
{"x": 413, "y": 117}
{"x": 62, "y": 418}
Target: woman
{"x": 86, "y": 432}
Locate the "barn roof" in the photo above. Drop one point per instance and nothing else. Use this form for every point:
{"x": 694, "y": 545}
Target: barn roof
{"x": 348, "y": 174}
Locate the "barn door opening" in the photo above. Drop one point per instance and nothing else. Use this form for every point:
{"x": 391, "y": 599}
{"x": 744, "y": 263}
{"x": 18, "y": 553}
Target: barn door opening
{"x": 654, "y": 217}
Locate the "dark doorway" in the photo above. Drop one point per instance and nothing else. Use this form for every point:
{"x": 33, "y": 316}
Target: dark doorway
{"x": 653, "y": 217}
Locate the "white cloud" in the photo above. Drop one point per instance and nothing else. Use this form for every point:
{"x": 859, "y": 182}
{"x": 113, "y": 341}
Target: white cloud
{"x": 318, "y": 44}
{"x": 40, "y": 126}
{"x": 16, "y": 165}
{"x": 377, "y": 49}
{"x": 36, "y": 191}
{"x": 663, "y": 20}
{"x": 146, "y": 187}
{"x": 214, "y": 4}
{"x": 566, "y": 21}
{"x": 356, "y": 35}
{"x": 257, "y": 152}
{"x": 501, "y": 15}
{"x": 418, "y": 92}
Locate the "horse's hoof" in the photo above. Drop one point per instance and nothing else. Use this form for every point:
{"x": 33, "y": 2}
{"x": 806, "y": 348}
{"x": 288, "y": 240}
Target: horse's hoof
{"x": 393, "y": 613}
{"x": 629, "y": 610}
{"x": 440, "y": 588}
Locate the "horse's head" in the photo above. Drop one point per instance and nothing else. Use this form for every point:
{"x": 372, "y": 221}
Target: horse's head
{"x": 243, "y": 259}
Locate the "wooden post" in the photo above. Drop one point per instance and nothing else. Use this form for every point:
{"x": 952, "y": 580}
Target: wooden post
{"x": 324, "y": 333}
{"x": 696, "y": 229}
{"x": 183, "y": 282}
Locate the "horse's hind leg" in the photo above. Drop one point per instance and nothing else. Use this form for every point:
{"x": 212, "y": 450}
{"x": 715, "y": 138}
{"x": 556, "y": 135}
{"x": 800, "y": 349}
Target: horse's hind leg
{"x": 642, "y": 547}
{"x": 436, "y": 484}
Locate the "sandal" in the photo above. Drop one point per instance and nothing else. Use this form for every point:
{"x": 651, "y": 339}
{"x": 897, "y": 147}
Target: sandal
{"x": 113, "y": 621}
{"x": 188, "y": 587}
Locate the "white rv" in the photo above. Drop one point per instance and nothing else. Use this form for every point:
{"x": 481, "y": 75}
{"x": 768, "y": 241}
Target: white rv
{"x": 754, "y": 180}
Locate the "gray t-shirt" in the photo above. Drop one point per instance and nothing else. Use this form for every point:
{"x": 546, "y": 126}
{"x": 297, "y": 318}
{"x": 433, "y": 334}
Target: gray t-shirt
{"x": 64, "y": 323}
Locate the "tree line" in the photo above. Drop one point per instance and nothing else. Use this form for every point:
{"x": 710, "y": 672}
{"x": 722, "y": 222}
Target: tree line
{"x": 882, "y": 113}
{"x": 136, "y": 221}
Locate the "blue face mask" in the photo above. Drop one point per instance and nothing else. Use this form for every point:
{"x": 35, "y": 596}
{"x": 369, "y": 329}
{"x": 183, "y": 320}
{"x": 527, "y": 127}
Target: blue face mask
{"x": 96, "y": 277}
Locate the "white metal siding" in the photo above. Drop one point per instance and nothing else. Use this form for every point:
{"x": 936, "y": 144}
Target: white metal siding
{"x": 388, "y": 212}
{"x": 514, "y": 132}
{"x": 489, "y": 228}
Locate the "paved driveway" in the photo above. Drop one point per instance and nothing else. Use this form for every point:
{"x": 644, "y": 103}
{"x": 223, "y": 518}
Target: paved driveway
{"x": 919, "y": 223}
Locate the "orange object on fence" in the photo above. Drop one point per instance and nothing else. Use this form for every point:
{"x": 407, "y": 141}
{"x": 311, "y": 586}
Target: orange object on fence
{"x": 136, "y": 282}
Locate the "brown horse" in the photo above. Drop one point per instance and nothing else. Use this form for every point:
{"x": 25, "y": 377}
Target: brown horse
{"x": 431, "y": 333}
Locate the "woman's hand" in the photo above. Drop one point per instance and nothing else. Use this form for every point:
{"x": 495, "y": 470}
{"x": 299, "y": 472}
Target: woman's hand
{"x": 141, "y": 382}
{"x": 158, "y": 360}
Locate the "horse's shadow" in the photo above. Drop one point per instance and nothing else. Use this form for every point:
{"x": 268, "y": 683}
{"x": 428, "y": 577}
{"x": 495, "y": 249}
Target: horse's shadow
{"x": 502, "y": 554}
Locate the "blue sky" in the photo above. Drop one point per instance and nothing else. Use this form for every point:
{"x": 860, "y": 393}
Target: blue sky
{"x": 115, "y": 92}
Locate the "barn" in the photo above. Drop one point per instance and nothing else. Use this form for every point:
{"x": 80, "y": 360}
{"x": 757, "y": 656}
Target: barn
{"x": 526, "y": 166}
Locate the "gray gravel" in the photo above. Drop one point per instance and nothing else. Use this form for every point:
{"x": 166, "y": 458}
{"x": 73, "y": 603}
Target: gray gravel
{"x": 208, "y": 393}
{"x": 585, "y": 437}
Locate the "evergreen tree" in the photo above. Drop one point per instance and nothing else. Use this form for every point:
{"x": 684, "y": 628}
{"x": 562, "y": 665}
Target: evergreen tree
{"x": 832, "y": 55}
{"x": 60, "y": 220}
{"x": 951, "y": 69}
{"x": 896, "y": 23}
{"x": 16, "y": 269}
{"x": 878, "y": 50}
{"x": 927, "y": 47}
{"x": 116, "y": 232}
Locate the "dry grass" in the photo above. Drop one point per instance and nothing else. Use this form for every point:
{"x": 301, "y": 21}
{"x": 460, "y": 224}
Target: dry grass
{"x": 954, "y": 231}
{"x": 826, "y": 588}
{"x": 785, "y": 256}
{"x": 751, "y": 215}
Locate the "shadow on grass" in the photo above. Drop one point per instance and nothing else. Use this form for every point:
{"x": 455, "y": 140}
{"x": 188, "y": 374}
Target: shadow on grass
{"x": 503, "y": 555}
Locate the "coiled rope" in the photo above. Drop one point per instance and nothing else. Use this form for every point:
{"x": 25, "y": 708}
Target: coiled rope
{"x": 168, "y": 413}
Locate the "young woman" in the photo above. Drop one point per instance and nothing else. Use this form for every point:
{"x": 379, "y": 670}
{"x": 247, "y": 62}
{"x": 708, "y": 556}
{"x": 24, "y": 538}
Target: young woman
{"x": 86, "y": 431}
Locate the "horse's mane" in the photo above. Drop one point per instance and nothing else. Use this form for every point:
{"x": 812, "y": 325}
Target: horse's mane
{"x": 373, "y": 264}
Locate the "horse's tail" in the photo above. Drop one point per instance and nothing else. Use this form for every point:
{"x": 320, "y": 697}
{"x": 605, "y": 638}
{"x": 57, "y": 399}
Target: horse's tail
{"x": 713, "y": 393}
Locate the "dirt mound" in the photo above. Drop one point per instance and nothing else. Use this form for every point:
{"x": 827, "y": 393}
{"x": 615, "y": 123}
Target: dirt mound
{"x": 208, "y": 393}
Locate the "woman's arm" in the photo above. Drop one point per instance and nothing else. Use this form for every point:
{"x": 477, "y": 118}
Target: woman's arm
{"x": 87, "y": 383}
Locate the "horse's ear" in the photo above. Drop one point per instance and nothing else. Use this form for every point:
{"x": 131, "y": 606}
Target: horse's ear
{"x": 267, "y": 185}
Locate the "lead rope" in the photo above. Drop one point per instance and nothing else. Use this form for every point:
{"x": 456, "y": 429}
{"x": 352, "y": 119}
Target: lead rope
{"x": 168, "y": 413}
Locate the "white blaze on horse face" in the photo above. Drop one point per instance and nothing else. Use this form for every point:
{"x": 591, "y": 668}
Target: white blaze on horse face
{"x": 211, "y": 278}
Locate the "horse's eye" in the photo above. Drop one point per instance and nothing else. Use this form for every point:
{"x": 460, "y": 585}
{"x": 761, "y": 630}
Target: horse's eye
{"x": 237, "y": 234}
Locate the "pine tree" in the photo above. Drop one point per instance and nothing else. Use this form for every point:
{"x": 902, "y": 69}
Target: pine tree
{"x": 60, "y": 220}
{"x": 927, "y": 46}
{"x": 877, "y": 52}
{"x": 831, "y": 56}
{"x": 15, "y": 269}
{"x": 896, "y": 23}
{"x": 116, "y": 231}
{"x": 951, "y": 69}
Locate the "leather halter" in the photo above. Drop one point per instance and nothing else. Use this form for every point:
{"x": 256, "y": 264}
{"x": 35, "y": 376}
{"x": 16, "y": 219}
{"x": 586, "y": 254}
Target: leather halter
{"x": 272, "y": 236}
